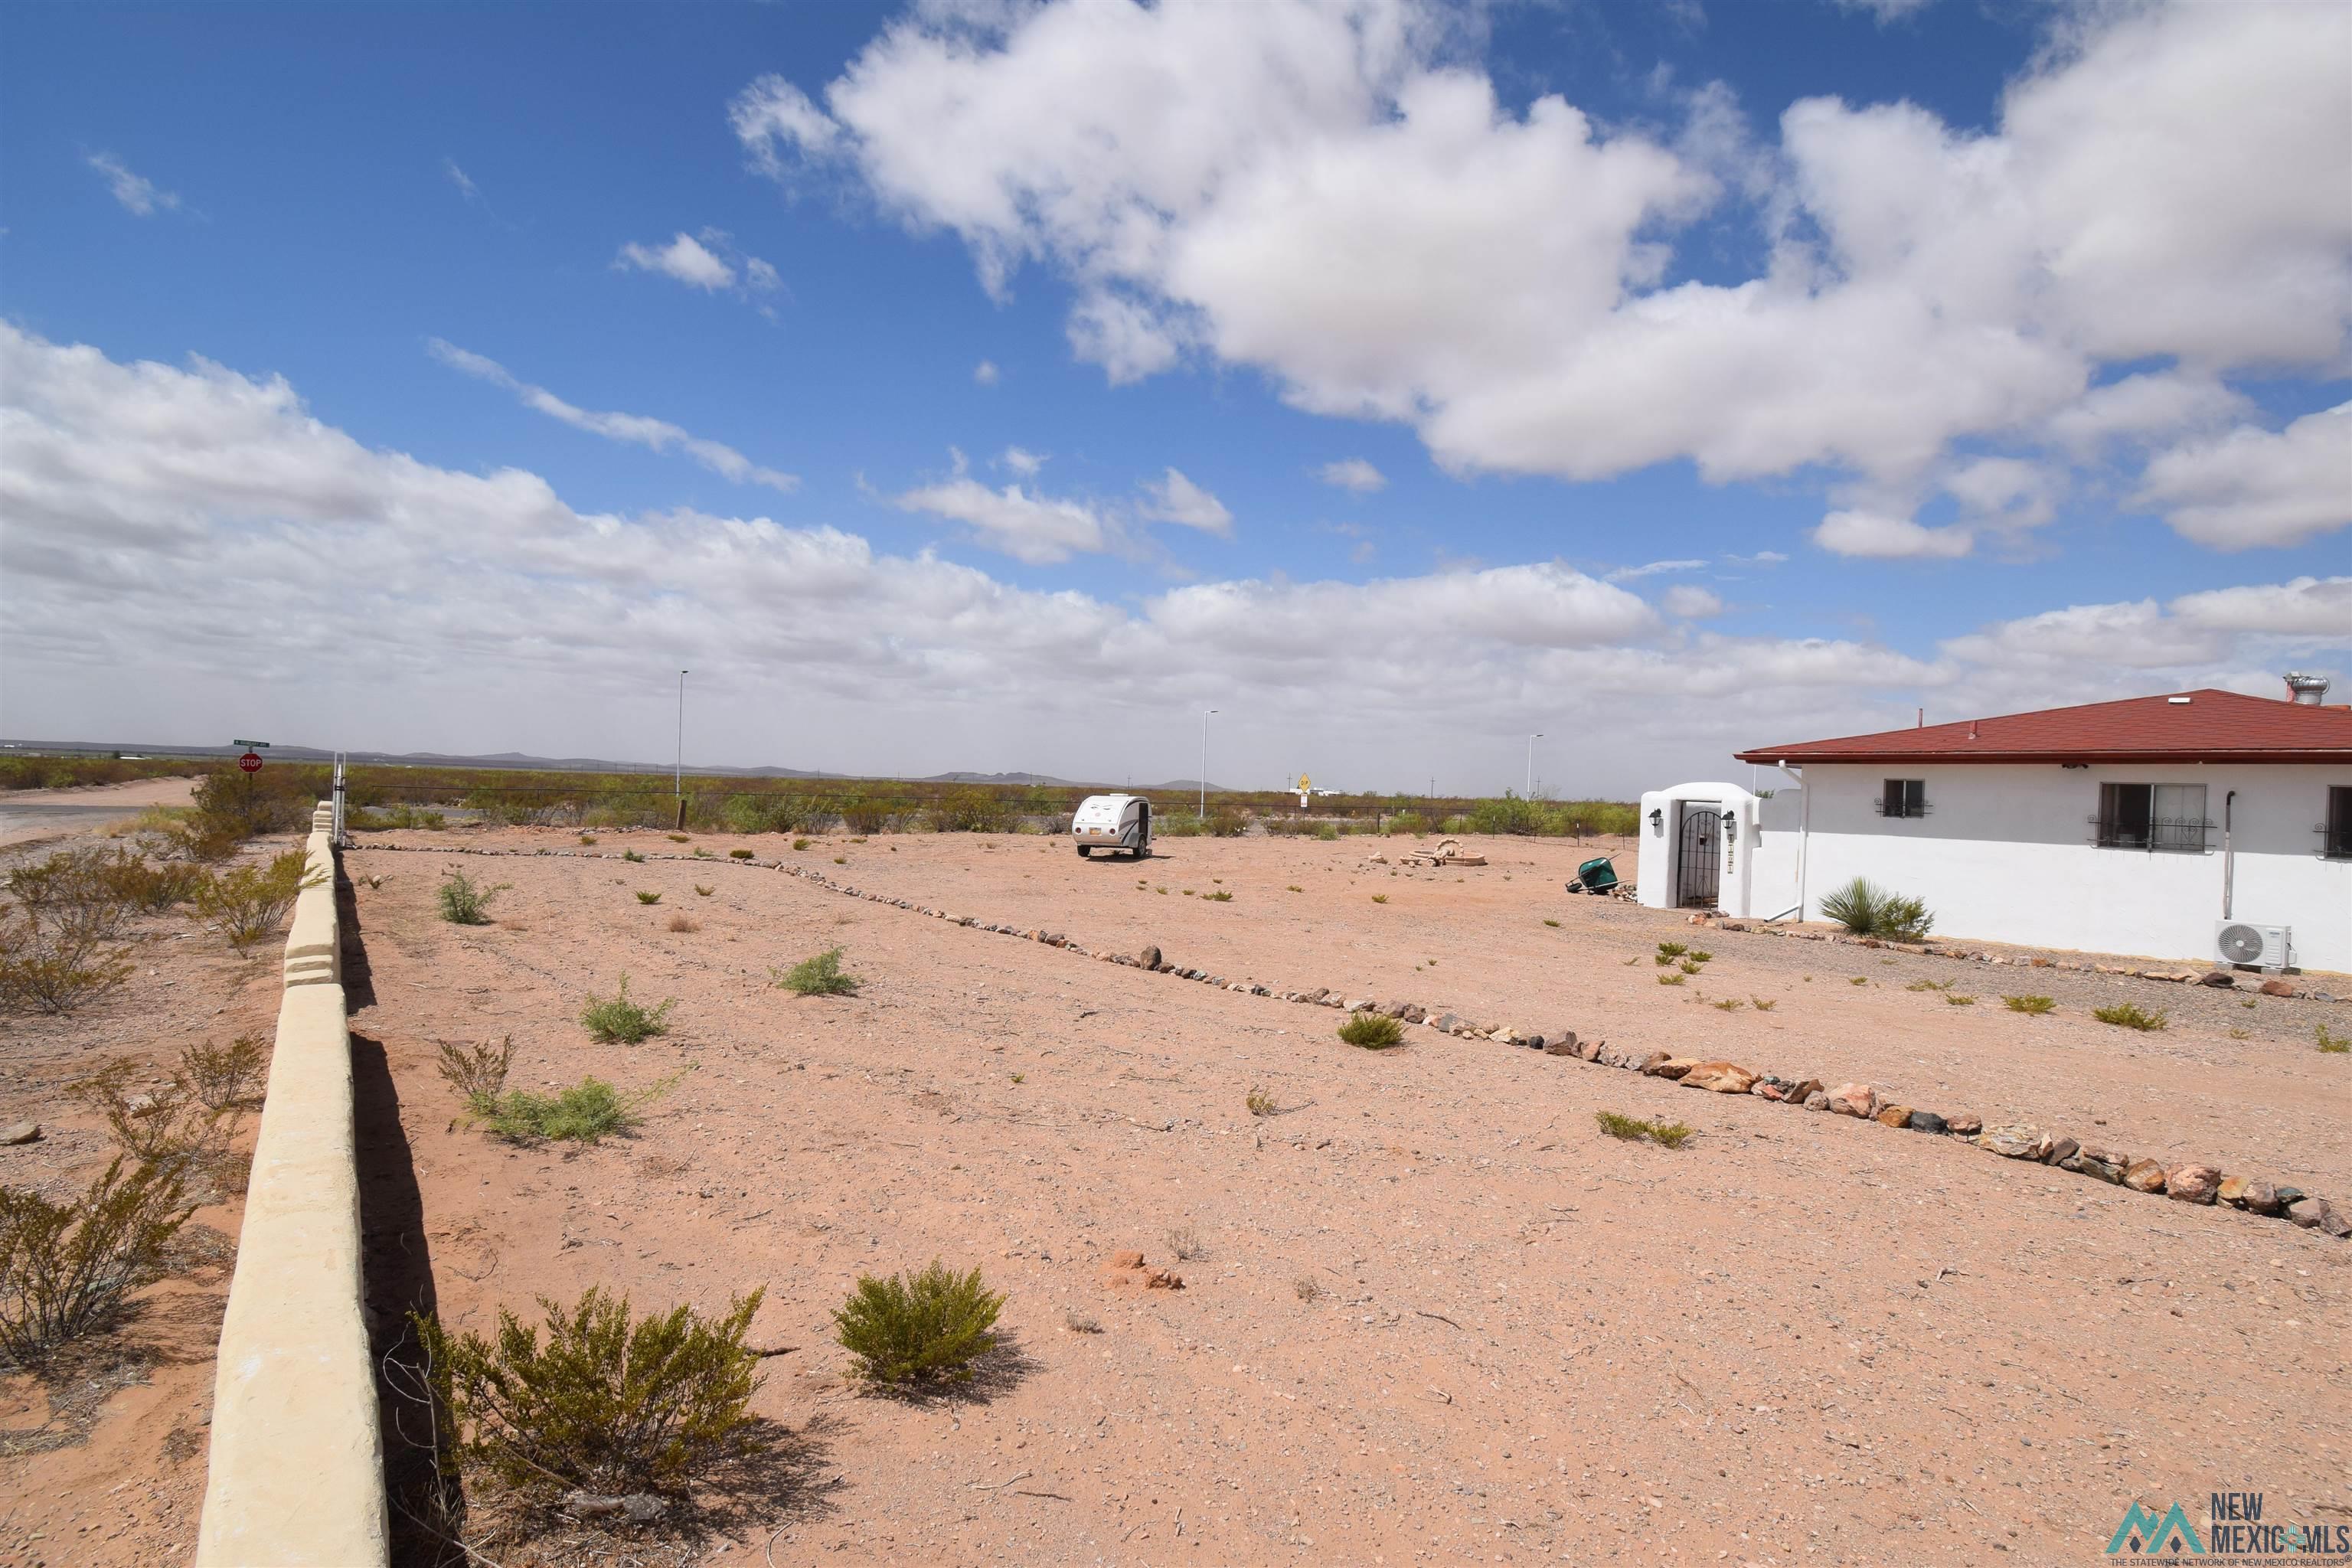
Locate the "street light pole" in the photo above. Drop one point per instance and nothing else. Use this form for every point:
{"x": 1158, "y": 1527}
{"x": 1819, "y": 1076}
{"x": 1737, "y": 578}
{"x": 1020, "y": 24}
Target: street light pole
{"x": 1531, "y": 763}
{"x": 1204, "y": 762}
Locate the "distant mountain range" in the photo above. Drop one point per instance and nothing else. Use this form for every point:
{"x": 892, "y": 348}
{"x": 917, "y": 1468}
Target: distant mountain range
{"x": 559, "y": 764}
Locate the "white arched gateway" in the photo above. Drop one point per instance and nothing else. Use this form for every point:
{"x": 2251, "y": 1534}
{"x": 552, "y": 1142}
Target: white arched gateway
{"x": 1715, "y": 846}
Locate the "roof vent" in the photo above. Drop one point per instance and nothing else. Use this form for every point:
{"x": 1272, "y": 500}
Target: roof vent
{"x": 2308, "y": 690}
{"x": 2177, "y": 701}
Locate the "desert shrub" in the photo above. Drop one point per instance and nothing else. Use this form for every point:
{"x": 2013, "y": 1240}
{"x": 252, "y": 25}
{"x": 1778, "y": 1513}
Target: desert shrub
{"x": 464, "y": 902}
{"x": 1379, "y": 898}
{"x": 1865, "y": 909}
{"x": 1261, "y": 1103}
{"x": 61, "y": 964}
{"x": 66, "y": 1269}
{"x": 606, "y": 1404}
{"x": 225, "y": 1077}
{"x": 632, "y": 854}
{"x": 1689, "y": 966}
{"x": 170, "y": 1127}
{"x": 1185, "y": 1243}
{"x": 1409, "y": 823}
{"x": 818, "y": 976}
{"x": 1217, "y": 897}
{"x": 928, "y": 1328}
{"x": 245, "y": 903}
{"x": 479, "y": 1073}
{"x": 1326, "y": 833}
{"x": 1374, "y": 1031}
{"x": 644, "y": 898}
{"x": 1668, "y": 951}
{"x": 863, "y": 814}
{"x": 152, "y": 887}
{"x": 974, "y": 810}
{"x": 1510, "y": 814}
{"x": 679, "y": 838}
{"x": 384, "y": 819}
{"x": 702, "y": 892}
{"x": 588, "y": 1110}
{"x": 801, "y": 843}
{"x": 616, "y": 1020}
{"x": 684, "y": 924}
{"x": 1675, "y": 978}
{"x": 2333, "y": 1044}
{"x": 2129, "y": 1015}
{"x": 739, "y": 854}
{"x": 1954, "y": 999}
{"x": 1762, "y": 1004}
{"x": 1307, "y": 1288}
{"x": 279, "y": 800}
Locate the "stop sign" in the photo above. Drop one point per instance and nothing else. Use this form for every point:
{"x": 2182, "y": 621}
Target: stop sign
{"x": 250, "y": 762}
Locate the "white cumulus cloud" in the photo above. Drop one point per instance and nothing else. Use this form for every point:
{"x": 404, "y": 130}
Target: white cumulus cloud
{"x": 1352, "y": 474}
{"x": 2252, "y": 487}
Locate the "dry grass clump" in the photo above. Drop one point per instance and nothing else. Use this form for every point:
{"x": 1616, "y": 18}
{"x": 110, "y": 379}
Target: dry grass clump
{"x": 465, "y": 903}
{"x": 618, "y": 1020}
{"x": 740, "y": 854}
{"x": 479, "y": 1073}
{"x": 2130, "y": 1015}
{"x": 1261, "y": 1103}
{"x": 1634, "y": 1129}
{"x": 818, "y": 976}
{"x": 1307, "y": 1288}
{"x": 606, "y": 1406}
{"x": 684, "y": 924}
{"x": 2033, "y": 1007}
{"x": 648, "y": 898}
{"x": 1185, "y": 1243}
{"x": 1374, "y": 1031}
{"x": 67, "y": 1270}
{"x": 927, "y": 1327}
{"x": 2334, "y": 1045}
{"x": 589, "y": 1110}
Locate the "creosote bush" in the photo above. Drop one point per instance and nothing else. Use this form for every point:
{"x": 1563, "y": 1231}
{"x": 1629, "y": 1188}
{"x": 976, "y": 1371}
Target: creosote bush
{"x": 618, "y": 1020}
{"x": 465, "y": 903}
{"x": 606, "y": 1406}
{"x": 818, "y": 976}
{"x": 739, "y": 854}
{"x": 927, "y": 1328}
{"x": 1865, "y": 909}
{"x": 245, "y": 903}
{"x": 2129, "y": 1015}
{"x": 68, "y": 1270}
{"x": 1374, "y": 1031}
{"x": 226, "y": 1077}
{"x": 60, "y": 963}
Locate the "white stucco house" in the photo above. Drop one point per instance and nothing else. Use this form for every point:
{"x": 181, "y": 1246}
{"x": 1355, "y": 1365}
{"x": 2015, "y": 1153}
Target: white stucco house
{"x": 2200, "y": 826}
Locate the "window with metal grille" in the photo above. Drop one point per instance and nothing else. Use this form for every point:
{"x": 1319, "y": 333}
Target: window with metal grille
{"x": 1904, "y": 797}
{"x": 2168, "y": 817}
{"x": 2337, "y": 828}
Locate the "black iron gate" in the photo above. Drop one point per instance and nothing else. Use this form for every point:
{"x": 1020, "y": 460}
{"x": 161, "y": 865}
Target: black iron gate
{"x": 1698, "y": 863}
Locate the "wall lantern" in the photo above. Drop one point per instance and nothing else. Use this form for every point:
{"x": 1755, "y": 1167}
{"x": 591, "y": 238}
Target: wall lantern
{"x": 1730, "y": 820}
{"x": 1658, "y": 820}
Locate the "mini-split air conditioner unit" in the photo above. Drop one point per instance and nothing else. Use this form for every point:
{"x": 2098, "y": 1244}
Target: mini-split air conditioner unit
{"x": 2256, "y": 946}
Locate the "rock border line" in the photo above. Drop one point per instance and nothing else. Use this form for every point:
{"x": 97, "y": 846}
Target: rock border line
{"x": 2194, "y": 1183}
{"x": 294, "y": 1473}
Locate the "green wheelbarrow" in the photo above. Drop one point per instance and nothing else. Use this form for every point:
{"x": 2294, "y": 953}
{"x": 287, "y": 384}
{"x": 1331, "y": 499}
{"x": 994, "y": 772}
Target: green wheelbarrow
{"x": 1595, "y": 876}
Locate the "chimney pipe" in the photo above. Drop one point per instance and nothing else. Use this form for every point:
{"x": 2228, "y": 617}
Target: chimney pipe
{"x": 2306, "y": 691}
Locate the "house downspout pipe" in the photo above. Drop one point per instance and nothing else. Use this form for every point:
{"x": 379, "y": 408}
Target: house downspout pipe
{"x": 1804, "y": 829}
{"x": 2228, "y": 855}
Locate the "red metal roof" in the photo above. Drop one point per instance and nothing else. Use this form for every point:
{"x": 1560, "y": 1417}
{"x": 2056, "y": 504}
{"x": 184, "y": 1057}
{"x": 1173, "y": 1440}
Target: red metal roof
{"x": 2203, "y": 726}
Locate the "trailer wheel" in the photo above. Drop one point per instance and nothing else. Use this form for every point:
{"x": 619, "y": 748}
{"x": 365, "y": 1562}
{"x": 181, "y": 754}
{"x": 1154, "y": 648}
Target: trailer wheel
{"x": 1085, "y": 852}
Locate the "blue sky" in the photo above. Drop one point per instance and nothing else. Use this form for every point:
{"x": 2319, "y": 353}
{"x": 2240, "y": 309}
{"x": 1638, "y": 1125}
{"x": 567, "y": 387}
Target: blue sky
{"x": 1344, "y": 368}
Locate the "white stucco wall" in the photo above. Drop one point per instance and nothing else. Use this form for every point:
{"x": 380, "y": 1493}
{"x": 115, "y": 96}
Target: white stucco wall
{"x": 2006, "y": 854}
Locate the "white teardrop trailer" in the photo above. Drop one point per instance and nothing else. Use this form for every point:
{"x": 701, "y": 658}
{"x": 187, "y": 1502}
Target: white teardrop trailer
{"x": 1113, "y": 822}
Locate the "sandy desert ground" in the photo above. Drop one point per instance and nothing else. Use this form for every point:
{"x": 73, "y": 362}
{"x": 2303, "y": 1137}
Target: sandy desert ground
{"x": 1430, "y": 1313}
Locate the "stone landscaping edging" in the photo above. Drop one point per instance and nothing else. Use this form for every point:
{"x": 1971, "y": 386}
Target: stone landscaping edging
{"x": 2194, "y": 1183}
{"x": 2221, "y": 979}
{"x": 295, "y": 1471}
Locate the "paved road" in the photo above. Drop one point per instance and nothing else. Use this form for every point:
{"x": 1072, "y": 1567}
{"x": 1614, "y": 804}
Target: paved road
{"x": 34, "y": 813}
